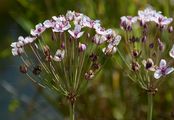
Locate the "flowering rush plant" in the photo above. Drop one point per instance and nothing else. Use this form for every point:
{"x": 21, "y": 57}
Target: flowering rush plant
{"x": 73, "y": 54}
{"x": 147, "y": 48}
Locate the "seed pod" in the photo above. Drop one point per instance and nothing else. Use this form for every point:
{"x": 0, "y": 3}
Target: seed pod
{"x": 37, "y": 70}
{"x": 135, "y": 66}
{"x": 95, "y": 66}
{"x": 93, "y": 57}
{"x": 46, "y": 50}
{"x": 23, "y": 69}
{"x": 136, "y": 53}
{"x": 63, "y": 45}
{"x": 89, "y": 75}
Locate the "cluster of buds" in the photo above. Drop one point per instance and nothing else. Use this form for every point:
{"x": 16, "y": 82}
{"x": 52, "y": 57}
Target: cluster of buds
{"x": 77, "y": 51}
{"x": 147, "y": 50}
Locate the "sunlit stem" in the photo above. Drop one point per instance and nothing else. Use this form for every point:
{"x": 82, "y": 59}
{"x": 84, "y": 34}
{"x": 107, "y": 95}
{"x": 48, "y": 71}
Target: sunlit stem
{"x": 72, "y": 111}
{"x": 150, "y": 106}
{"x": 39, "y": 59}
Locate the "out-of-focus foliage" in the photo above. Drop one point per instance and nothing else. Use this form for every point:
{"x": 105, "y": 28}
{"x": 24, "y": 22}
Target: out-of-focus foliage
{"x": 111, "y": 96}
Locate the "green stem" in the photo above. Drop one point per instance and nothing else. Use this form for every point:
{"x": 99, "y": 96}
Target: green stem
{"x": 72, "y": 112}
{"x": 150, "y": 106}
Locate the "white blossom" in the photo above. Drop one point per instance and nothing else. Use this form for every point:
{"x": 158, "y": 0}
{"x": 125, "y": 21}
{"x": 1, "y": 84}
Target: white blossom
{"x": 99, "y": 39}
{"x": 163, "y": 69}
{"x": 49, "y": 23}
{"x": 76, "y": 33}
{"x": 38, "y": 30}
{"x": 70, "y": 15}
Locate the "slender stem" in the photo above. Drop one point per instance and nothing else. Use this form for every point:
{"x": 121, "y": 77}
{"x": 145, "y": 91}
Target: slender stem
{"x": 150, "y": 106}
{"x": 72, "y": 111}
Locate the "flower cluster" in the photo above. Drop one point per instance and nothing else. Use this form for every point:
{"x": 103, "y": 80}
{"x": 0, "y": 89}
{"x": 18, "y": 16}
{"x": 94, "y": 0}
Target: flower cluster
{"x": 146, "y": 16}
{"x": 75, "y": 51}
{"x": 62, "y": 23}
{"x": 146, "y": 47}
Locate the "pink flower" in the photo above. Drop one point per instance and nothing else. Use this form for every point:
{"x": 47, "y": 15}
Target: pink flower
{"x": 61, "y": 24}
{"x": 149, "y": 64}
{"x": 96, "y": 24}
{"x": 127, "y": 22}
{"x": 70, "y": 15}
{"x": 26, "y": 40}
{"x": 38, "y": 30}
{"x": 163, "y": 69}
{"x": 17, "y": 48}
{"x": 115, "y": 41}
{"x": 17, "y": 51}
{"x": 76, "y": 33}
{"x": 148, "y": 15}
{"x": 99, "y": 39}
{"x": 110, "y": 49}
{"x": 163, "y": 21}
{"x": 49, "y": 23}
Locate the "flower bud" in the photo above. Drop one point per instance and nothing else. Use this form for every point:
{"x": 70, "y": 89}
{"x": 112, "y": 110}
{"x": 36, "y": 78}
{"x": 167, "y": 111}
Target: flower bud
{"x": 170, "y": 29}
{"x": 23, "y": 69}
{"x": 143, "y": 39}
{"x": 160, "y": 45}
{"x": 151, "y": 45}
{"x": 82, "y": 47}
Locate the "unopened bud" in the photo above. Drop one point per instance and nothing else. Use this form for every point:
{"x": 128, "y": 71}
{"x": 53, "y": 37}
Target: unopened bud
{"x": 161, "y": 45}
{"x": 144, "y": 38}
{"x": 151, "y": 45}
{"x": 82, "y": 47}
{"x": 170, "y": 29}
{"x": 23, "y": 69}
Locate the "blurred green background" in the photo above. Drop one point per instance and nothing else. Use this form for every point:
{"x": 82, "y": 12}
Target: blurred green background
{"x": 111, "y": 96}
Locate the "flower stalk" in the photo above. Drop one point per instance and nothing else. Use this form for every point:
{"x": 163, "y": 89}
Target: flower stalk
{"x": 72, "y": 111}
{"x": 150, "y": 106}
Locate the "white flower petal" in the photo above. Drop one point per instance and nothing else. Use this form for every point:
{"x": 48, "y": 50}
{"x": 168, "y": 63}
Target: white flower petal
{"x": 20, "y": 38}
{"x": 71, "y": 33}
{"x": 79, "y": 34}
{"x": 13, "y": 44}
{"x": 77, "y": 28}
{"x": 48, "y": 24}
{"x": 162, "y": 63}
{"x": 169, "y": 70}
{"x": 157, "y": 74}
